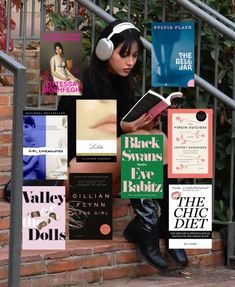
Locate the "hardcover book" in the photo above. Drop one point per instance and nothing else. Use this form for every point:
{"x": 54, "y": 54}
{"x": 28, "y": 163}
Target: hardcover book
{"x": 190, "y": 216}
{"x": 173, "y": 54}
{"x": 61, "y": 63}
{"x": 43, "y": 216}
{"x": 96, "y": 130}
{"x": 45, "y": 145}
{"x": 190, "y": 149}
{"x": 90, "y": 206}
{"x": 141, "y": 166}
{"x": 153, "y": 104}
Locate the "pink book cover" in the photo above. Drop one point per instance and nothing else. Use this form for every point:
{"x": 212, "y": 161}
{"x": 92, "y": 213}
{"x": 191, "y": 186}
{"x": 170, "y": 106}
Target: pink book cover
{"x": 43, "y": 218}
{"x": 190, "y": 137}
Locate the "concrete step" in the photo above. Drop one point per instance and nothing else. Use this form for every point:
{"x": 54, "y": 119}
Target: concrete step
{"x": 191, "y": 276}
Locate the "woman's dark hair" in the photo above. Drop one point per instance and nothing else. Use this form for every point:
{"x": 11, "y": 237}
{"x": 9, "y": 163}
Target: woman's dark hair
{"x": 28, "y": 120}
{"x": 98, "y": 72}
{"x": 58, "y": 44}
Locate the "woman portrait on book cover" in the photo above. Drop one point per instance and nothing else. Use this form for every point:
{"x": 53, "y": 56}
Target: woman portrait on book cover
{"x": 66, "y": 82}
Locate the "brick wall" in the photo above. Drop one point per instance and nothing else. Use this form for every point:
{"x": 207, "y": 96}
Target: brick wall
{"x": 5, "y": 135}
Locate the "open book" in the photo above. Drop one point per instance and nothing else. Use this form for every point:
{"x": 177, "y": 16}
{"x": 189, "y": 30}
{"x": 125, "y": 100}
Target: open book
{"x": 153, "y": 104}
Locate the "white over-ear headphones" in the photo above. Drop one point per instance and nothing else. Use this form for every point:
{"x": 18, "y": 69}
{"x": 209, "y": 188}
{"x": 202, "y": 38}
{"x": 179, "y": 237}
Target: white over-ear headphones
{"x": 104, "y": 48}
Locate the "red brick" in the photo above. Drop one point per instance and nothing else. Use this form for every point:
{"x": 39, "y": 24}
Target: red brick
{"x": 120, "y": 211}
{"x": 197, "y": 251}
{"x": 4, "y": 284}
{"x": 4, "y": 151}
{"x": 25, "y": 283}
{"x": 63, "y": 265}
{"x": 4, "y": 178}
{"x": 6, "y": 125}
{"x": 118, "y": 272}
{"x": 5, "y": 138}
{"x": 127, "y": 257}
{"x": 3, "y": 273}
{"x": 5, "y": 164}
{"x": 32, "y": 269}
{"x": 50, "y": 280}
{"x": 120, "y": 224}
{"x": 146, "y": 269}
{"x": 4, "y": 238}
{"x": 1, "y": 193}
{"x": 5, "y": 100}
{"x": 95, "y": 261}
{"x": 4, "y": 223}
{"x": 80, "y": 276}
{"x": 4, "y": 209}
{"x": 6, "y": 90}
{"x": 6, "y": 111}
{"x": 217, "y": 245}
{"x": 208, "y": 260}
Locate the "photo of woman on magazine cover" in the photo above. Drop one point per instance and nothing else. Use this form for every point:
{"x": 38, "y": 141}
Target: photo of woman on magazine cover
{"x": 109, "y": 76}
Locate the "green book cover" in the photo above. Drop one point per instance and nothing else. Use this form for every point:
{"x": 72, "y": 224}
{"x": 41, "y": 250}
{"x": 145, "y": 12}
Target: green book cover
{"x": 141, "y": 166}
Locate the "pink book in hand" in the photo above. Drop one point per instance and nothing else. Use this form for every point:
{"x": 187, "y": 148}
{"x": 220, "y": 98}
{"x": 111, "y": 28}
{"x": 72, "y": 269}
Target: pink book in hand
{"x": 153, "y": 104}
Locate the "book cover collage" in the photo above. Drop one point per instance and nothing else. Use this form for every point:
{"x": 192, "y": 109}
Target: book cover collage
{"x": 60, "y": 205}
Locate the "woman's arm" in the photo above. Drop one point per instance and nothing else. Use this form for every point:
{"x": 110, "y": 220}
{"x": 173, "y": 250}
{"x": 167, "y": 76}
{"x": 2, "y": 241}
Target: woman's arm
{"x": 31, "y": 164}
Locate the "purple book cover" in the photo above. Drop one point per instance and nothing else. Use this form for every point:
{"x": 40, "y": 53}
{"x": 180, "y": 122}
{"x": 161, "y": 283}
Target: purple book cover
{"x": 43, "y": 217}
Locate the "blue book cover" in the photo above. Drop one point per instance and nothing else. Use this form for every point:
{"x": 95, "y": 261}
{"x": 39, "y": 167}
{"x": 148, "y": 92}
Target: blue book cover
{"x": 45, "y": 145}
{"x": 172, "y": 54}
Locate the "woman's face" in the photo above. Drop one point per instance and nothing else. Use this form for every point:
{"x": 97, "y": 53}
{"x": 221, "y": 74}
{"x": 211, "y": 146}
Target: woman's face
{"x": 96, "y": 119}
{"x": 122, "y": 66}
{"x": 27, "y": 130}
{"x": 58, "y": 50}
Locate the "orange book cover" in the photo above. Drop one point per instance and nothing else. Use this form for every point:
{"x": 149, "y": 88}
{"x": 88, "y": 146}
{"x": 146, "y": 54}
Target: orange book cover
{"x": 190, "y": 137}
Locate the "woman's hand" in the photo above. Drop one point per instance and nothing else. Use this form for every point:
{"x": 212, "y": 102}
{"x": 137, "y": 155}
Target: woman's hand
{"x": 144, "y": 122}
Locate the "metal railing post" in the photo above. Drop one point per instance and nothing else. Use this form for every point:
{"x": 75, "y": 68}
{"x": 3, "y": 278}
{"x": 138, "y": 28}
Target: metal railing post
{"x": 19, "y": 100}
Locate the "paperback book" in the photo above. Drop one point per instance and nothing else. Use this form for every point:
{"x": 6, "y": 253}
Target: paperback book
{"x": 172, "y": 54}
{"x": 190, "y": 216}
{"x": 90, "y": 206}
{"x": 61, "y": 63}
{"x": 43, "y": 216}
{"x": 141, "y": 166}
{"x": 96, "y": 130}
{"x": 190, "y": 148}
{"x": 45, "y": 145}
{"x": 153, "y": 104}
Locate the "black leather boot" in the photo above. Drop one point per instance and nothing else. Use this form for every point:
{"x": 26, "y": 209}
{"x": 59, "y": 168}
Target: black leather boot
{"x": 178, "y": 255}
{"x": 144, "y": 231}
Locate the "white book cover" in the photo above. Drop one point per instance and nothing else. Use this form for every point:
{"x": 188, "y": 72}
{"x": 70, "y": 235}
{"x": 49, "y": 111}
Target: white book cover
{"x": 43, "y": 217}
{"x": 190, "y": 216}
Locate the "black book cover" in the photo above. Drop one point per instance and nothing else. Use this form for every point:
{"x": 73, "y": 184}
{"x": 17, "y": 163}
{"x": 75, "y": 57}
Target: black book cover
{"x": 90, "y": 206}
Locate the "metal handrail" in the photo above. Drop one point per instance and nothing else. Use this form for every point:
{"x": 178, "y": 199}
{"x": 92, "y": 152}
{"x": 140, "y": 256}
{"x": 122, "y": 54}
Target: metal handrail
{"x": 148, "y": 46}
{"x": 213, "y": 12}
{"x": 19, "y": 101}
{"x": 218, "y": 25}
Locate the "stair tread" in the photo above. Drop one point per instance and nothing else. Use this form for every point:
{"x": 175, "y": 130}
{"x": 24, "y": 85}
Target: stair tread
{"x": 73, "y": 247}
